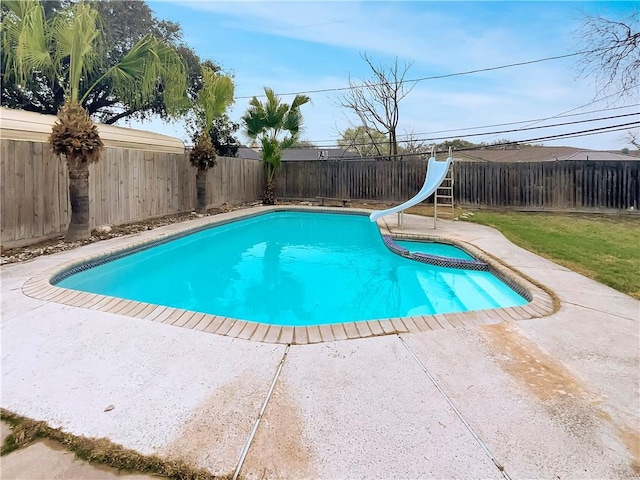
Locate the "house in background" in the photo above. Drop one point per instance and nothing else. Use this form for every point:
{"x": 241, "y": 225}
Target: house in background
{"x": 301, "y": 154}
{"x": 297, "y": 154}
{"x": 586, "y": 155}
{"x": 518, "y": 154}
{"x": 538, "y": 154}
{"x": 248, "y": 153}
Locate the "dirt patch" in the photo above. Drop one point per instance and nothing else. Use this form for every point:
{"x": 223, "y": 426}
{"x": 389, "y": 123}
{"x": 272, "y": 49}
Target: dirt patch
{"x": 631, "y": 439}
{"x": 279, "y": 449}
{"x": 215, "y": 434}
{"x": 567, "y": 400}
{"x": 528, "y": 363}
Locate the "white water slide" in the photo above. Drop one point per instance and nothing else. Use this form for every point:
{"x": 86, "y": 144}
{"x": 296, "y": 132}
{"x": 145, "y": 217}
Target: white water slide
{"x": 436, "y": 173}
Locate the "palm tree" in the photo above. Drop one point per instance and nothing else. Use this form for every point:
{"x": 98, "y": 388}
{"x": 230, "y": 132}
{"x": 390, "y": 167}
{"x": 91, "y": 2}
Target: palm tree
{"x": 213, "y": 99}
{"x": 69, "y": 47}
{"x": 277, "y": 126}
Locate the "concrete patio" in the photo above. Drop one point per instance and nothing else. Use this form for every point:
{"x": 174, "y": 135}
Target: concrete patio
{"x": 550, "y": 397}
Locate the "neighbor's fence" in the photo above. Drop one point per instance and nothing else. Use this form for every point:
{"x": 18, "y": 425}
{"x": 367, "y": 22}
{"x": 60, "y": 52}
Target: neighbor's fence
{"x": 565, "y": 185}
{"x": 124, "y": 186}
{"x": 562, "y": 185}
{"x": 129, "y": 185}
{"x": 354, "y": 179}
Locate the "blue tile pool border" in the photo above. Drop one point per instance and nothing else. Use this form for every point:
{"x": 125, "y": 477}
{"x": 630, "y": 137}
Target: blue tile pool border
{"x": 42, "y": 286}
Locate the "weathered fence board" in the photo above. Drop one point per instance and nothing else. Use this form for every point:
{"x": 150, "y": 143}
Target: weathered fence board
{"x": 124, "y": 186}
{"x": 566, "y": 185}
{"x": 130, "y": 185}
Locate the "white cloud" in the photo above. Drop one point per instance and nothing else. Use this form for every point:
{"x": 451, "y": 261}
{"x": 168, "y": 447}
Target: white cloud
{"x": 420, "y": 33}
{"x": 438, "y": 37}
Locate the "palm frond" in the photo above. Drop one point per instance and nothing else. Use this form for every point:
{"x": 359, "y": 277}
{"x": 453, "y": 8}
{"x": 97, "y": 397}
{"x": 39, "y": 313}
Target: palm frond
{"x": 299, "y": 100}
{"x": 171, "y": 73}
{"x": 148, "y": 66}
{"x": 269, "y": 112}
{"x": 76, "y": 37}
{"x": 254, "y": 119}
{"x": 25, "y": 46}
{"x": 215, "y": 96}
{"x": 131, "y": 68}
{"x": 272, "y": 98}
{"x": 293, "y": 122}
{"x": 268, "y": 120}
{"x": 288, "y": 142}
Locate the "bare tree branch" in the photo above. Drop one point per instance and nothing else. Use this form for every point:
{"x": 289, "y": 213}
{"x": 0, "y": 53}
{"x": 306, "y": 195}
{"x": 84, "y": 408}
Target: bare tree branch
{"x": 414, "y": 146}
{"x": 376, "y": 101}
{"x": 364, "y": 141}
{"x": 632, "y": 138}
{"x": 612, "y": 53}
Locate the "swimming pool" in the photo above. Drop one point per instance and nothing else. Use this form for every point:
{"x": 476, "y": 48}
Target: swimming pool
{"x": 434, "y": 248}
{"x": 292, "y": 269}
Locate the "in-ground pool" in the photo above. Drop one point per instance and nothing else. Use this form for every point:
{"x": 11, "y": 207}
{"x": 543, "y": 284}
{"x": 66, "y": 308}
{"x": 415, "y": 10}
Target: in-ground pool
{"x": 292, "y": 269}
{"x": 434, "y": 248}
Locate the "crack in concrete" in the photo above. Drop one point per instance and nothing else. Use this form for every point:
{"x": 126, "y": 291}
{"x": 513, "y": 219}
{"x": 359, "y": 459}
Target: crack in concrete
{"x": 6, "y": 320}
{"x": 635, "y": 320}
{"x": 476, "y": 437}
{"x": 245, "y": 450}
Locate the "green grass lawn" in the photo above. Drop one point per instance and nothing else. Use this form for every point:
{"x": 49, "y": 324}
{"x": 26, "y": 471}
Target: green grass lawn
{"x": 605, "y": 248}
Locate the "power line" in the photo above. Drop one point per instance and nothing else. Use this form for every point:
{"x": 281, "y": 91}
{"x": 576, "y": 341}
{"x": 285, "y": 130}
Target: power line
{"x": 524, "y": 121}
{"x": 502, "y": 124}
{"x": 329, "y": 145}
{"x": 580, "y": 133}
{"x": 561, "y": 114}
{"x": 497, "y": 132}
{"x": 434, "y": 77}
{"x": 331, "y": 142}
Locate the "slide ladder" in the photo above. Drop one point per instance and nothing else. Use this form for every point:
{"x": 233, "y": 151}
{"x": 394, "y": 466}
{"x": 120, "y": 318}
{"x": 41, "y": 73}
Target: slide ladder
{"x": 443, "y": 198}
{"x": 437, "y": 171}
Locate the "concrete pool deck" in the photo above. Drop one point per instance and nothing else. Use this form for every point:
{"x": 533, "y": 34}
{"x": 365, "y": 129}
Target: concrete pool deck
{"x": 554, "y": 396}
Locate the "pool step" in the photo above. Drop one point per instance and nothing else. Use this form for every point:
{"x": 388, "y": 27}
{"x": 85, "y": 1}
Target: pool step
{"x": 465, "y": 284}
{"x": 501, "y": 296}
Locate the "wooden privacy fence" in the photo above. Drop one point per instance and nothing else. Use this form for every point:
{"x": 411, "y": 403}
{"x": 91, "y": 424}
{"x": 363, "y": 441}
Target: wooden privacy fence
{"x": 124, "y": 186}
{"x": 129, "y": 185}
{"x": 354, "y": 179}
{"x": 564, "y": 185}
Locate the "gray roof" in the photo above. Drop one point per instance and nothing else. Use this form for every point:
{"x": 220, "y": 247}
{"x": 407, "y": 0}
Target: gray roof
{"x": 520, "y": 154}
{"x": 248, "y": 153}
{"x": 517, "y": 154}
{"x": 595, "y": 155}
{"x": 536, "y": 154}
{"x": 298, "y": 154}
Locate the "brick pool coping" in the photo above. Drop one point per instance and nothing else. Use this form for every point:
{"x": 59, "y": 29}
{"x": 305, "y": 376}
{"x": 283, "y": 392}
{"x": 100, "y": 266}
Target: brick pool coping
{"x": 39, "y": 287}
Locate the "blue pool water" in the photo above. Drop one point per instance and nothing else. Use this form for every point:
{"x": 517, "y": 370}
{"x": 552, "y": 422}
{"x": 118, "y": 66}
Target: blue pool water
{"x": 434, "y": 248}
{"x": 292, "y": 268}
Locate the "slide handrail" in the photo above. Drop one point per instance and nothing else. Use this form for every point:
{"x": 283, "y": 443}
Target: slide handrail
{"x": 436, "y": 173}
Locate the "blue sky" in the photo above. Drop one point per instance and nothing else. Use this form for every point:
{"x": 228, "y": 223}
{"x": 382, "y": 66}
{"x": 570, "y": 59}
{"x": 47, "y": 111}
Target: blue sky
{"x": 303, "y": 46}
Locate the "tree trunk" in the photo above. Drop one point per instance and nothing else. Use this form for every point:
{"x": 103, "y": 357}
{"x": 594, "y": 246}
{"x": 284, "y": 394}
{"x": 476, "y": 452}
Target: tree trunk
{"x": 394, "y": 144}
{"x": 201, "y": 189}
{"x": 269, "y": 195}
{"x": 79, "y": 196}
